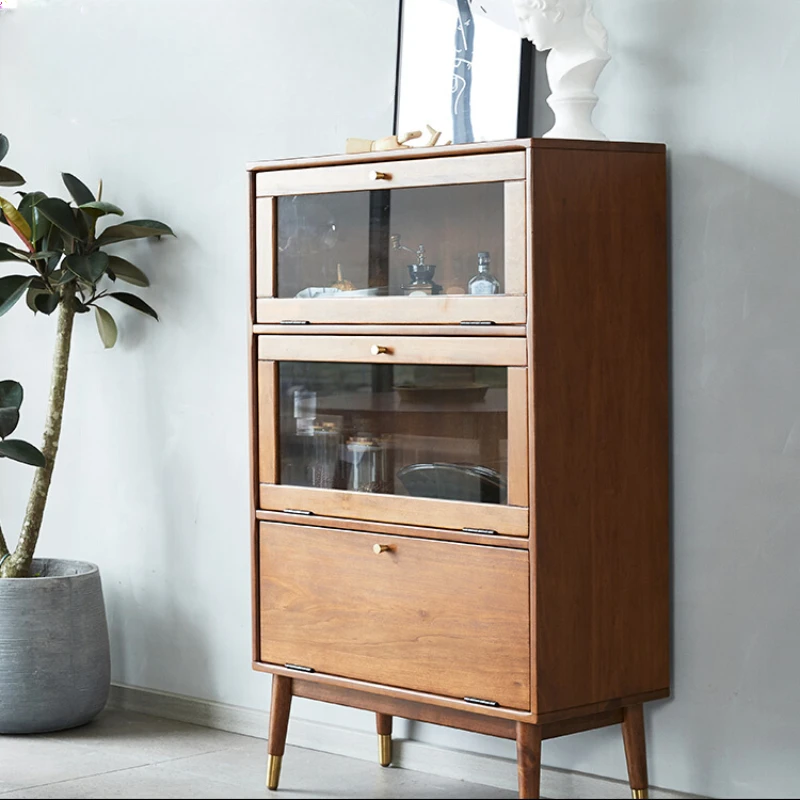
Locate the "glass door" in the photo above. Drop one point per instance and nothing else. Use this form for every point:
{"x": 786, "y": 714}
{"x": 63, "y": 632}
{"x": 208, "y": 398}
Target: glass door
{"x": 444, "y": 253}
{"x": 443, "y": 443}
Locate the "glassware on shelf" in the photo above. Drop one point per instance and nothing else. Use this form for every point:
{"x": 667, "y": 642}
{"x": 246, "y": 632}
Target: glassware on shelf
{"x": 319, "y": 447}
{"x": 367, "y": 459}
{"x": 483, "y": 282}
{"x": 421, "y": 274}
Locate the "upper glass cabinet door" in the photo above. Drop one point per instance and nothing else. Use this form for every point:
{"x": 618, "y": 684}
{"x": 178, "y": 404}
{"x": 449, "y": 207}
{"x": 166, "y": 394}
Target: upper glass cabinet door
{"x": 448, "y": 250}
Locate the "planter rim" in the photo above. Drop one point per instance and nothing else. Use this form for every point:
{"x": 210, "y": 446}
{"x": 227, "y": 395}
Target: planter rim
{"x": 83, "y": 568}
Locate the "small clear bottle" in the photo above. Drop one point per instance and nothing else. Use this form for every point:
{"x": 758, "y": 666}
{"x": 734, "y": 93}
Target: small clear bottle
{"x": 483, "y": 282}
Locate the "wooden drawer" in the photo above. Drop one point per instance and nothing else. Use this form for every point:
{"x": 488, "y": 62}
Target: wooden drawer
{"x": 439, "y": 617}
{"x": 395, "y": 350}
{"x": 394, "y": 174}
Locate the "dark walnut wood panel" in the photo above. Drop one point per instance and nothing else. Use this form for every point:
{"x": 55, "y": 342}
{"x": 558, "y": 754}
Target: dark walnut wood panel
{"x": 601, "y": 426}
{"x": 437, "y": 617}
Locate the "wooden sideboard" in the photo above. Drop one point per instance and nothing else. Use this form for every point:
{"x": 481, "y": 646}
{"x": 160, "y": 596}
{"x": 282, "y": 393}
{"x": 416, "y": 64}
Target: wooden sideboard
{"x": 460, "y": 502}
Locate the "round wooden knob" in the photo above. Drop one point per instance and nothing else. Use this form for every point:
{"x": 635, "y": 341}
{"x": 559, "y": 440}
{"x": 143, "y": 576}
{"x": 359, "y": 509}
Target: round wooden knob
{"x": 378, "y": 350}
{"x": 376, "y": 175}
{"x": 380, "y": 548}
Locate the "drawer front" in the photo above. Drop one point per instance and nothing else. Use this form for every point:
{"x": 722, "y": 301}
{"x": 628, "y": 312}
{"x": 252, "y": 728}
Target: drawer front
{"x": 395, "y": 174}
{"x": 395, "y": 350}
{"x": 439, "y": 617}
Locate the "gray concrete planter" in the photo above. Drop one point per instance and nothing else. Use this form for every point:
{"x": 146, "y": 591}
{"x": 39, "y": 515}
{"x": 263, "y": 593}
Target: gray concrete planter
{"x": 55, "y": 668}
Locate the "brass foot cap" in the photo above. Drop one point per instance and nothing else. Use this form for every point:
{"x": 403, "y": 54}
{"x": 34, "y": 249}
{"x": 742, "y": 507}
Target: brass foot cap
{"x": 273, "y": 771}
{"x": 639, "y": 794}
{"x": 384, "y": 749}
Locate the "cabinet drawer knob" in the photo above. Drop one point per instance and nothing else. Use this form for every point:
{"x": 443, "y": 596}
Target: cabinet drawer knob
{"x": 377, "y": 175}
{"x": 379, "y": 350}
{"x": 381, "y": 548}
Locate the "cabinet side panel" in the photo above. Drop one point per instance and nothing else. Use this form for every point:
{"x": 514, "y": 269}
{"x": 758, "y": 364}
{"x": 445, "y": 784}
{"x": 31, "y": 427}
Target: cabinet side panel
{"x": 601, "y": 426}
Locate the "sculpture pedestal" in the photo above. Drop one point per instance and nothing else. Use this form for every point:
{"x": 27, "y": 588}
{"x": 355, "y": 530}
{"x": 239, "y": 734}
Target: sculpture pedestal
{"x": 574, "y": 118}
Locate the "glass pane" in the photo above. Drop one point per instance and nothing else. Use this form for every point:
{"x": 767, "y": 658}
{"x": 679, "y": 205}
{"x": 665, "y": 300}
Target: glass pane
{"x": 420, "y": 242}
{"x": 439, "y": 431}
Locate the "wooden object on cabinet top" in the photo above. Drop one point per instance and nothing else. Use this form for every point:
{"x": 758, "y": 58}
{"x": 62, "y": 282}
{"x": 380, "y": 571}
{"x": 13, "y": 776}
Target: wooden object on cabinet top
{"x": 456, "y": 150}
{"x": 416, "y": 531}
{"x": 439, "y": 617}
{"x": 600, "y": 427}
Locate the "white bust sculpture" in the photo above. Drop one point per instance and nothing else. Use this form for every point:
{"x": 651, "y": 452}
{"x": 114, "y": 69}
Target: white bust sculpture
{"x": 578, "y": 45}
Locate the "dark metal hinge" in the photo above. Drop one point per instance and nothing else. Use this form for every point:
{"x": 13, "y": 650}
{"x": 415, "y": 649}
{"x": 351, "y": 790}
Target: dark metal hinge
{"x": 477, "y": 322}
{"x": 298, "y": 668}
{"x": 298, "y": 511}
{"x": 477, "y": 702}
{"x": 485, "y": 531}
{"x": 295, "y": 322}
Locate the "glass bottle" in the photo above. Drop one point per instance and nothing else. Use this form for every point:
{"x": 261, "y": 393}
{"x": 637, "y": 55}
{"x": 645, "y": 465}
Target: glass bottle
{"x": 483, "y": 282}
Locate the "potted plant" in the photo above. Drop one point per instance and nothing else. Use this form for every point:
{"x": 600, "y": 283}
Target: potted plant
{"x": 54, "y": 653}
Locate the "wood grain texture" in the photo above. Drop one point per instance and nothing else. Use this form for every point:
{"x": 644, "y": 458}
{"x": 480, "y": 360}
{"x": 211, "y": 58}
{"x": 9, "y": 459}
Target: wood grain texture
{"x": 371, "y": 526}
{"x": 506, "y": 520}
{"x": 438, "y": 310}
{"x": 383, "y": 724}
{"x": 280, "y": 707}
{"x": 601, "y": 416}
{"x": 529, "y": 759}
{"x": 320, "y": 329}
{"x": 401, "y": 174}
{"x": 518, "y": 453}
{"x": 456, "y": 150}
{"x": 265, "y": 246}
{"x": 432, "y": 616}
{"x": 400, "y": 350}
{"x": 266, "y": 432}
{"x": 516, "y": 237}
{"x": 635, "y": 747}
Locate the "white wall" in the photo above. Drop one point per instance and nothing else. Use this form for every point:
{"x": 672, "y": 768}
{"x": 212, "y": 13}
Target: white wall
{"x": 166, "y": 100}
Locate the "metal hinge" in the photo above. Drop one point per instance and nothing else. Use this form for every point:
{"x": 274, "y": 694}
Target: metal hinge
{"x": 477, "y": 702}
{"x": 295, "y": 322}
{"x": 298, "y": 668}
{"x": 477, "y": 322}
{"x": 298, "y": 511}
{"x": 484, "y": 531}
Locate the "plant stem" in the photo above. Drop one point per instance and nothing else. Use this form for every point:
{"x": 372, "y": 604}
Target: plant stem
{"x": 18, "y": 566}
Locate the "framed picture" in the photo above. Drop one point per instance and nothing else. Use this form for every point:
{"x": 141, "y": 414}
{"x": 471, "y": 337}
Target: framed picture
{"x": 463, "y": 68}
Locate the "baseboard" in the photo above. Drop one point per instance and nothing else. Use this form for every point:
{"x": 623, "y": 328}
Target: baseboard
{"x": 408, "y": 754}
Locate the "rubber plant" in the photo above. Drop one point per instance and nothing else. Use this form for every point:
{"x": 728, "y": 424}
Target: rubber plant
{"x": 61, "y": 267}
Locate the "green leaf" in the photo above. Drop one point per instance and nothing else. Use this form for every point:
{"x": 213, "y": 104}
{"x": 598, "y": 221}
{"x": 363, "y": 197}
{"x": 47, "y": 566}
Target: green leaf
{"x": 106, "y": 326}
{"x": 9, "y": 253}
{"x": 3, "y": 146}
{"x": 12, "y": 288}
{"x": 20, "y": 451}
{"x": 8, "y": 177}
{"x": 136, "y": 229}
{"x": 134, "y": 302}
{"x": 99, "y": 208}
{"x": 10, "y": 402}
{"x": 78, "y": 190}
{"x": 127, "y": 272}
{"x": 60, "y": 276}
{"x": 60, "y": 214}
{"x": 89, "y": 268}
{"x": 16, "y": 221}
{"x": 47, "y": 302}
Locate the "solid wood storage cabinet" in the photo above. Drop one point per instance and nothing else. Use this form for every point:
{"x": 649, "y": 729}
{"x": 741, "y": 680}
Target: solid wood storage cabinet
{"x": 460, "y": 461}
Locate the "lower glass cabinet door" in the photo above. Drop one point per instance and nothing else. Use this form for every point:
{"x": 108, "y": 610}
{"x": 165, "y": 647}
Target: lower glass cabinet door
{"x": 336, "y": 434}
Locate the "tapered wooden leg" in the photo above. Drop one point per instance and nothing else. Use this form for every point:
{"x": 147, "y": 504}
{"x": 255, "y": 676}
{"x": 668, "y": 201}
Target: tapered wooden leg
{"x": 383, "y": 722}
{"x": 278, "y": 724}
{"x": 635, "y": 750}
{"x": 529, "y": 759}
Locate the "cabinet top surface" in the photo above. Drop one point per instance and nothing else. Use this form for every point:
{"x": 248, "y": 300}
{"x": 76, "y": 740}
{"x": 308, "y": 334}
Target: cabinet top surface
{"x": 454, "y": 150}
